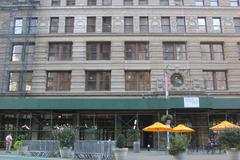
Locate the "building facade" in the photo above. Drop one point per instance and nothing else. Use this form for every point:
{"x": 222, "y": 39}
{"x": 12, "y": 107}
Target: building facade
{"x": 104, "y": 64}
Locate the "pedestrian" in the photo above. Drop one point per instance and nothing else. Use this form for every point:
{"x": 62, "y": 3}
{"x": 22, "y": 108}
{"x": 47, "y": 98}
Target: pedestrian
{"x": 8, "y": 141}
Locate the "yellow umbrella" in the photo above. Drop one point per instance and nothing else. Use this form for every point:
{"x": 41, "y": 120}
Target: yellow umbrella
{"x": 224, "y": 124}
{"x": 157, "y": 127}
{"x": 182, "y": 129}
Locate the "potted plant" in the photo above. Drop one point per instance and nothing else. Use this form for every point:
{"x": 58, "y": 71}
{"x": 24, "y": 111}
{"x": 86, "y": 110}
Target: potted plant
{"x": 229, "y": 139}
{"x": 120, "y": 153}
{"x": 178, "y": 146}
{"x": 66, "y": 136}
{"x": 20, "y": 146}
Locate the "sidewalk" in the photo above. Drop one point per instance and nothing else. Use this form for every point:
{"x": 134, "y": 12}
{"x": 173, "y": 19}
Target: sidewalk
{"x": 143, "y": 155}
{"x": 156, "y": 155}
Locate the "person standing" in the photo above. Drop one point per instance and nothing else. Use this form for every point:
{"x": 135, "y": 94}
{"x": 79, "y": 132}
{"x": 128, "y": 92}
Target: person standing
{"x": 8, "y": 141}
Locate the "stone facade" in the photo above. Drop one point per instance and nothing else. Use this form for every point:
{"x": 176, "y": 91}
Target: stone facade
{"x": 191, "y": 68}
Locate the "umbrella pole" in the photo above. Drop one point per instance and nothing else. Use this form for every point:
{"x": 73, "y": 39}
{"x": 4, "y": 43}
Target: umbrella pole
{"x": 158, "y": 142}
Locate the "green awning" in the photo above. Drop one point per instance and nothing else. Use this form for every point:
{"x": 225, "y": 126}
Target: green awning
{"x": 113, "y": 104}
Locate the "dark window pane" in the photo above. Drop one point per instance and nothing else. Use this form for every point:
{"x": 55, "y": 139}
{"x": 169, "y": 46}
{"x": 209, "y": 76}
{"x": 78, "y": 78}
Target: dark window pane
{"x": 98, "y": 50}
{"x": 54, "y": 24}
{"x": 58, "y": 81}
{"x": 128, "y": 24}
{"x": 69, "y": 24}
{"x": 137, "y": 80}
{"x": 136, "y": 51}
{"x": 60, "y": 51}
{"x": 98, "y": 80}
{"x": 91, "y": 24}
{"x": 106, "y": 24}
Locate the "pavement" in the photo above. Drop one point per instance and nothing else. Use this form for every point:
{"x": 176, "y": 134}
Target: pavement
{"x": 143, "y": 155}
{"x": 157, "y": 155}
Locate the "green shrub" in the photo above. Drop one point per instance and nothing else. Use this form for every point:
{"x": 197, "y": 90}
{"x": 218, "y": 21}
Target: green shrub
{"x": 121, "y": 141}
{"x": 90, "y": 134}
{"x": 136, "y": 135}
{"x": 66, "y": 136}
{"x": 20, "y": 137}
{"x": 17, "y": 145}
{"x": 230, "y": 138}
{"x": 178, "y": 143}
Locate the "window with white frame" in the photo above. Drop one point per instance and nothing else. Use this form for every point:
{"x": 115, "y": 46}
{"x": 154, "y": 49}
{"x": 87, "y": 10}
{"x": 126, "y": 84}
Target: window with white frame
{"x": 202, "y": 24}
{"x": 217, "y": 25}
{"x": 18, "y": 26}
{"x": 165, "y": 24}
{"x": 181, "y": 27}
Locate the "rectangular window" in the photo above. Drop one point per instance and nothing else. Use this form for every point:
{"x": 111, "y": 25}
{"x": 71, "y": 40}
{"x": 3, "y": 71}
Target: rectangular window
{"x": 179, "y": 3}
{"x": 214, "y": 3}
{"x": 217, "y": 25}
{"x": 20, "y": 81}
{"x": 98, "y": 80}
{"x": 202, "y": 24}
{"x": 69, "y": 24}
{"x": 137, "y": 81}
{"x": 136, "y": 51}
{"x": 58, "y": 81}
{"x": 55, "y": 3}
{"x": 21, "y": 53}
{"x": 70, "y": 2}
{"x": 60, "y": 51}
{"x": 128, "y": 2}
{"x": 236, "y": 24}
{"x": 18, "y": 26}
{"x": 212, "y": 51}
{"x": 91, "y": 24}
{"x": 92, "y": 2}
{"x": 98, "y": 50}
{"x": 143, "y": 2}
{"x": 106, "y": 24}
{"x": 32, "y": 28}
{"x": 144, "y": 24}
{"x": 54, "y": 22}
{"x": 181, "y": 27}
{"x": 174, "y": 51}
{"x": 165, "y": 24}
{"x": 164, "y": 2}
{"x": 128, "y": 24}
{"x": 215, "y": 80}
{"x": 233, "y": 3}
{"x": 106, "y": 2}
{"x": 199, "y": 3}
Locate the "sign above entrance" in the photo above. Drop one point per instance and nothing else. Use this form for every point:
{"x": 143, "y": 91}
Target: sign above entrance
{"x": 191, "y": 102}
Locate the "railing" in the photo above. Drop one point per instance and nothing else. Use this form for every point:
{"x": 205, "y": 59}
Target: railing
{"x": 93, "y": 149}
{"x": 42, "y": 148}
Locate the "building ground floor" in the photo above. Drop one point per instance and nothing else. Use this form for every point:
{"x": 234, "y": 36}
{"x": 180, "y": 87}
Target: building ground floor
{"x": 104, "y": 119}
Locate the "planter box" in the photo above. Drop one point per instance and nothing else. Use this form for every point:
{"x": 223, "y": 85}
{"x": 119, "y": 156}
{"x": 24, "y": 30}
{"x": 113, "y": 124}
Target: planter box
{"x": 233, "y": 154}
{"x": 136, "y": 146}
{"x": 66, "y": 152}
{"x": 180, "y": 156}
{"x": 120, "y": 153}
